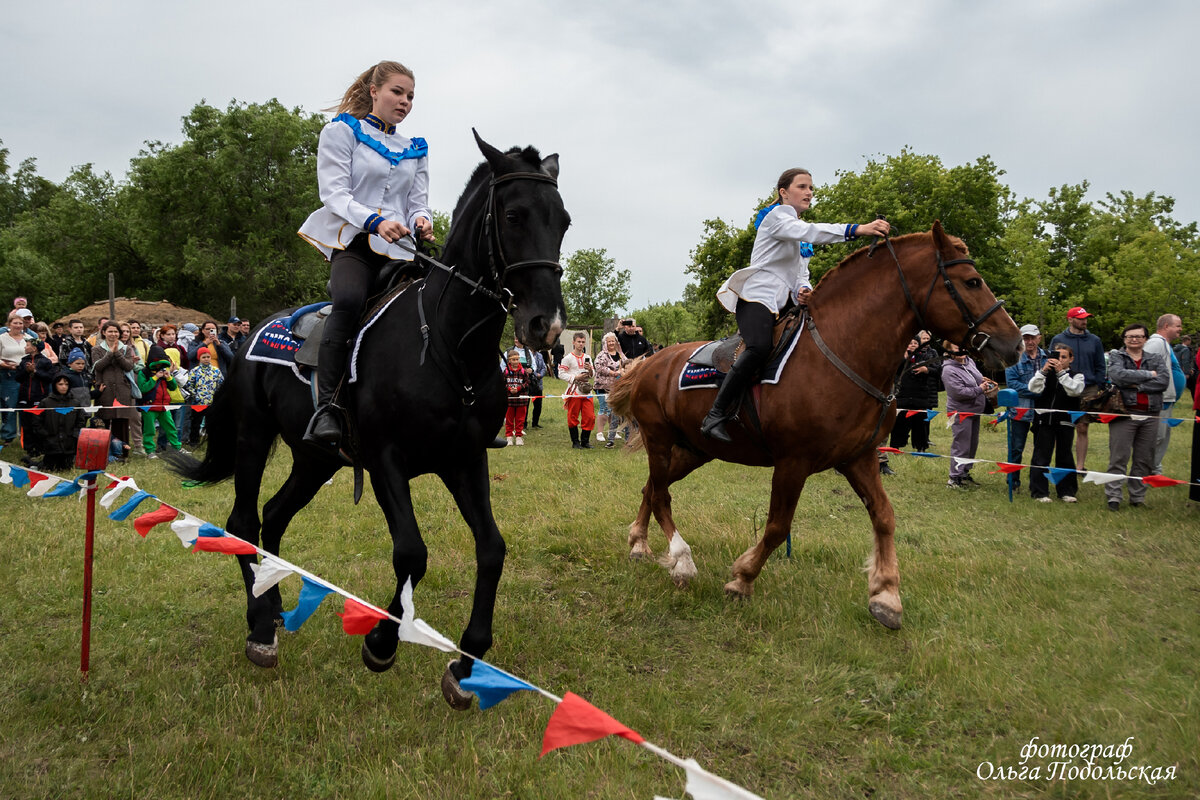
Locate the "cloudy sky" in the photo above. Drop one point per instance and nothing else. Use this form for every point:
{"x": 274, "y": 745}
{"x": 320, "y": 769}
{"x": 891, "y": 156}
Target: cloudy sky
{"x": 664, "y": 113}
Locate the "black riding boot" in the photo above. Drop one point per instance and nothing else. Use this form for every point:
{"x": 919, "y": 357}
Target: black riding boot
{"x": 723, "y": 407}
{"x": 325, "y": 427}
{"x": 584, "y": 443}
{"x": 574, "y": 437}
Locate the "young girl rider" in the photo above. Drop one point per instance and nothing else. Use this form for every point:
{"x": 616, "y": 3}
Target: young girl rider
{"x": 776, "y": 277}
{"x": 373, "y": 183}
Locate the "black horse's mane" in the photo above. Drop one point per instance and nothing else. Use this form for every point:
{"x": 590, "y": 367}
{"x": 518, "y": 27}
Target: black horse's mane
{"x": 529, "y": 156}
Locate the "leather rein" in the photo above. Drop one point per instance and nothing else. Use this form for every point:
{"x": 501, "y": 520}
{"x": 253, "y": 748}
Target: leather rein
{"x": 971, "y": 340}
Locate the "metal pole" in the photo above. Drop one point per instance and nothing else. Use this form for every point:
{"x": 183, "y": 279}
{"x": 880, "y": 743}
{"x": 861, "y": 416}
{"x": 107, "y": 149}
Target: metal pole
{"x": 112, "y": 297}
{"x": 86, "y": 645}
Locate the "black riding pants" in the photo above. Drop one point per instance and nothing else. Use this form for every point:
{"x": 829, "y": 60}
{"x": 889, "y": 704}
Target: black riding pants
{"x": 351, "y": 275}
{"x": 756, "y": 323}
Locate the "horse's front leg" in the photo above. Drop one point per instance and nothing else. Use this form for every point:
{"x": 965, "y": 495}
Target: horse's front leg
{"x": 883, "y": 570}
{"x": 786, "y": 484}
{"x": 472, "y": 492}
{"x": 409, "y": 559}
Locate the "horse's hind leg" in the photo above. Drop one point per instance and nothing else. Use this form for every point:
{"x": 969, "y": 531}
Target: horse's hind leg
{"x": 253, "y": 451}
{"x": 786, "y": 484}
{"x": 265, "y": 613}
{"x": 668, "y": 465}
{"x": 883, "y": 571}
{"x": 409, "y": 559}
{"x": 472, "y": 492}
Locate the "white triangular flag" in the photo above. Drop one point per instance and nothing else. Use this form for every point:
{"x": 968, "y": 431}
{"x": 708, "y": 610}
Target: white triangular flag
{"x": 270, "y": 572}
{"x": 960, "y": 461}
{"x": 416, "y": 630}
{"x": 41, "y": 487}
{"x": 703, "y": 785}
{"x": 111, "y": 495}
{"x": 5, "y": 475}
{"x": 1102, "y": 477}
{"x": 187, "y": 529}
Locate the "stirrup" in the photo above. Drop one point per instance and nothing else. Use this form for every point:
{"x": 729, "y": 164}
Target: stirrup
{"x": 332, "y": 433}
{"x": 713, "y": 427}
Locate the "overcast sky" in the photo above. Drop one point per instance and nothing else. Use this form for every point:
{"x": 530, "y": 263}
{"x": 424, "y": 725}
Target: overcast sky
{"x": 664, "y": 113}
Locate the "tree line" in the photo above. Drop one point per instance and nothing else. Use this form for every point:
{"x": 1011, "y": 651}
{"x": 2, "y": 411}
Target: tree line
{"x": 215, "y": 216}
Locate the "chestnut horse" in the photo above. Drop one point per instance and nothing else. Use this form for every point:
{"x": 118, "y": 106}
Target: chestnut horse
{"x": 819, "y": 416}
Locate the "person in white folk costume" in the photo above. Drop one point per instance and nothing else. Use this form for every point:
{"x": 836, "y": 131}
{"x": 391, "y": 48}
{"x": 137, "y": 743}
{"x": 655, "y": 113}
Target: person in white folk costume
{"x": 777, "y": 277}
{"x": 374, "y": 186}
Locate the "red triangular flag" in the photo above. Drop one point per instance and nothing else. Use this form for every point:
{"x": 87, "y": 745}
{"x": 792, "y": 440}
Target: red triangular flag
{"x": 145, "y": 522}
{"x": 198, "y": 409}
{"x": 35, "y": 411}
{"x": 890, "y": 450}
{"x": 118, "y": 404}
{"x": 358, "y": 619}
{"x": 1160, "y": 481}
{"x": 1006, "y": 467}
{"x": 35, "y": 478}
{"x": 1019, "y": 413}
{"x": 224, "y": 544}
{"x": 576, "y": 721}
{"x": 1106, "y": 418}
{"x": 914, "y": 412}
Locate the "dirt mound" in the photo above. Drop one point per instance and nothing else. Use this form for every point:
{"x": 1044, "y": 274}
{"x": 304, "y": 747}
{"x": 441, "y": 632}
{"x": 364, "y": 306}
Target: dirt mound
{"x": 151, "y": 313}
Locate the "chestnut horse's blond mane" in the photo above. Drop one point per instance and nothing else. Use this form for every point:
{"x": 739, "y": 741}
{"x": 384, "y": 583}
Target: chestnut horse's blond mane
{"x": 845, "y": 269}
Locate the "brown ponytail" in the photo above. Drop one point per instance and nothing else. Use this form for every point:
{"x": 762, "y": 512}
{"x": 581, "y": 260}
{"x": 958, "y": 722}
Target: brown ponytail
{"x": 357, "y": 100}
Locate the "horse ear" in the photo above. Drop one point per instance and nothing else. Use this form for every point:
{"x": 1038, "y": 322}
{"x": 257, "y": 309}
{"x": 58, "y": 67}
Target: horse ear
{"x": 550, "y": 165}
{"x": 940, "y": 239}
{"x": 494, "y": 157}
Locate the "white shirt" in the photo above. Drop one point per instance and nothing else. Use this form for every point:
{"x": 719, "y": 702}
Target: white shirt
{"x": 355, "y": 183}
{"x": 570, "y": 368}
{"x": 777, "y": 268}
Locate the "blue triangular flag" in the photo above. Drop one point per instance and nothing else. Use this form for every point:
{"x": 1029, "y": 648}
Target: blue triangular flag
{"x": 930, "y": 414}
{"x": 1076, "y": 416}
{"x": 64, "y": 489}
{"x": 311, "y": 595}
{"x": 130, "y": 504}
{"x": 491, "y": 685}
{"x": 1056, "y": 474}
{"x": 1173, "y": 422}
{"x": 65, "y": 410}
{"x": 210, "y": 530}
{"x": 923, "y": 454}
{"x": 19, "y": 477}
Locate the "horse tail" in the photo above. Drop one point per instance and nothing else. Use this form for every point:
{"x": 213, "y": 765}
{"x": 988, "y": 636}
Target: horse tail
{"x": 620, "y": 396}
{"x": 220, "y": 455}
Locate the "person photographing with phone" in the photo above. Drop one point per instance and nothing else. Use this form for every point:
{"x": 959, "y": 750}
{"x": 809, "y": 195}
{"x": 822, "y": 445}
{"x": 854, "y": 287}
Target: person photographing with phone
{"x": 577, "y": 370}
{"x": 1056, "y": 385}
{"x": 159, "y": 390}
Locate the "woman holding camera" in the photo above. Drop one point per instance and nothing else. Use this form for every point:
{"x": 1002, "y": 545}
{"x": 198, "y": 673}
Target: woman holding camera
{"x": 966, "y": 390}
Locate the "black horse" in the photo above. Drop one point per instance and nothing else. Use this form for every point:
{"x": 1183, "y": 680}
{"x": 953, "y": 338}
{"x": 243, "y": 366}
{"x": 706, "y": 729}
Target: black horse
{"x": 428, "y": 398}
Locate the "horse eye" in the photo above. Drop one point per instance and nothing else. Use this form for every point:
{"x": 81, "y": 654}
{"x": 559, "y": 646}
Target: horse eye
{"x": 974, "y": 283}
{"x": 511, "y": 215}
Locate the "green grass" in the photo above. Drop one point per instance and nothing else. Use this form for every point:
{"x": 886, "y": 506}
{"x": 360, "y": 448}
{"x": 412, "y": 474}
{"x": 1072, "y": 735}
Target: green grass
{"x": 1068, "y": 623}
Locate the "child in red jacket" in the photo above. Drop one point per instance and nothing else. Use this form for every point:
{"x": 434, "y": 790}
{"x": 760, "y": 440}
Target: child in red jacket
{"x": 516, "y": 381}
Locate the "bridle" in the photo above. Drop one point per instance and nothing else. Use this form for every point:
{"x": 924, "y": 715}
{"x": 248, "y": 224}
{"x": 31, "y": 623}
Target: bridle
{"x": 973, "y": 340}
{"x": 500, "y": 269}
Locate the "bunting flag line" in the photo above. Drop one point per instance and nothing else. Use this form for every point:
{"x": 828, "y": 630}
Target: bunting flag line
{"x": 576, "y": 721}
{"x": 1056, "y": 474}
{"x": 39, "y": 484}
{"x": 1102, "y": 478}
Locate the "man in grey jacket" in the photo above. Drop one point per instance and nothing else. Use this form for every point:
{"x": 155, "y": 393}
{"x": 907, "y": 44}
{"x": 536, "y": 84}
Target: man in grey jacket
{"x": 1168, "y": 328}
{"x": 1141, "y": 377}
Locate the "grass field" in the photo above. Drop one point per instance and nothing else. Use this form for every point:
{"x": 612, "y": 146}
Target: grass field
{"x": 1066, "y": 623}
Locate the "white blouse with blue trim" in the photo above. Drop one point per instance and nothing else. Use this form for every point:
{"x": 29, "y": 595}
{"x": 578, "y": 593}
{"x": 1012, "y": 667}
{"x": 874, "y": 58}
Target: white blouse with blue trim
{"x": 779, "y": 262}
{"x": 360, "y": 187}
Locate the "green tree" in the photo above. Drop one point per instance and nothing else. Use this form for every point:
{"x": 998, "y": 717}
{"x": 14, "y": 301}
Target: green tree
{"x": 723, "y": 250}
{"x": 913, "y": 190}
{"x": 1038, "y": 281}
{"x": 217, "y": 215}
{"x": 668, "y": 323}
{"x": 594, "y": 289}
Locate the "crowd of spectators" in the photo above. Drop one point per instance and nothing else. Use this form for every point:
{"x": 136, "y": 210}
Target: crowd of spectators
{"x": 126, "y": 373}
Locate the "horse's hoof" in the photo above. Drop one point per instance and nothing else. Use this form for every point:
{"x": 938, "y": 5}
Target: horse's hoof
{"x": 458, "y": 699}
{"x": 263, "y": 655}
{"x": 887, "y": 617}
{"x": 738, "y": 589}
{"x": 640, "y": 555}
{"x": 376, "y": 664}
{"x": 681, "y": 581}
